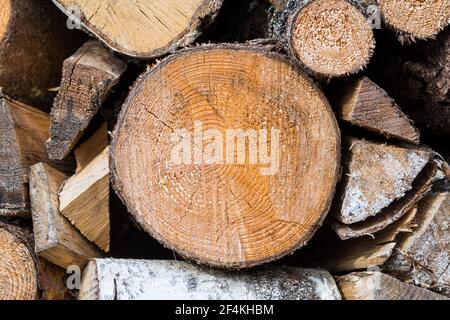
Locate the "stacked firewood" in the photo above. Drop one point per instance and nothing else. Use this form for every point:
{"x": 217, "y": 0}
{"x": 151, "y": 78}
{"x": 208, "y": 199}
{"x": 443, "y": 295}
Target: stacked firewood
{"x": 209, "y": 149}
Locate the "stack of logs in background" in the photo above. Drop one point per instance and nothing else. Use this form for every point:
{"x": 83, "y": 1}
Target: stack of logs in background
{"x": 353, "y": 205}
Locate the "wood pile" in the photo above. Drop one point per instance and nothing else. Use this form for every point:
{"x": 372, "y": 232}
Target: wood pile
{"x": 209, "y": 149}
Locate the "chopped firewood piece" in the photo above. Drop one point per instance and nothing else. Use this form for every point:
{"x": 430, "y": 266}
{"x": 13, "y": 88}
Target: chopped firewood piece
{"x": 152, "y": 280}
{"x": 364, "y": 104}
{"x": 23, "y": 132}
{"x": 143, "y": 28}
{"x": 379, "y": 286}
{"x": 88, "y": 77}
{"x": 55, "y": 238}
{"x": 422, "y": 256}
{"x": 84, "y": 200}
{"x": 376, "y": 175}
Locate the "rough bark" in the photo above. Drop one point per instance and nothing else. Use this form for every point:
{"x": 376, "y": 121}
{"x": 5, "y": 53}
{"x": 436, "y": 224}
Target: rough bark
{"x": 55, "y": 238}
{"x": 150, "y": 280}
{"x": 143, "y": 28}
{"x": 375, "y": 176}
{"x": 379, "y": 286}
{"x": 34, "y": 41}
{"x": 422, "y": 257}
{"x": 88, "y": 77}
{"x": 23, "y": 132}
{"x": 420, "y": 187}
{"x": 215, "y": 209}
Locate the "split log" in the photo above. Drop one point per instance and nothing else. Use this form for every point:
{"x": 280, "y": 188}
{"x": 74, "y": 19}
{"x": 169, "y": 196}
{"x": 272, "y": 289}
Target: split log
{"x": 143, "y": 28}
{"x": 34, "y": 41}
{"x": 376, "y": 175}
{"x": 52, "y": 282}
{"x": 422, "y": 257}
{"x": 420, "y": 187}
{"x": 55, "y": 238}
{"x": 88, "y": 77}
{"x": 23, "y": 132}
{"x": 379, "y": 286}
{"x": 364, "y": 104}
{"x": 416, "y": 19}
{"x": 152, "y": 280}
{"x": 18, "y": 265}
{"x": 417, "y": 77}
{"x": 328, "y": 38}
{"x": 92, "y": 147}
{"x": 84, "y": 200}
{"x": 191, "y": 192}
{"x": 366, "y": 252}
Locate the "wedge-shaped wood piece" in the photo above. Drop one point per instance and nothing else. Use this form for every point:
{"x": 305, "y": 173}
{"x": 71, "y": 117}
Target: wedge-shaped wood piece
{"x": 421, "y": 186}
{"x": 92, "y": 147}
{"x": 88, "y": 77}
{"x": 186, "y": 161}
{"x": 84, "y": 200}
{"x": 364, "y": 104}
{"x": 376, "y": 175}
{"x": 379, "y": 286}
{"x": 34, "y": 41}
{"x": 143, "y": 28}
{"x": 55, "y": 238}
{"x": 152, "y": 280}
{"x": 23, "y": 132}
{"x": 18, "y": 265}
{"x": 366, "y": 252}
{"x": 423, "y": 256}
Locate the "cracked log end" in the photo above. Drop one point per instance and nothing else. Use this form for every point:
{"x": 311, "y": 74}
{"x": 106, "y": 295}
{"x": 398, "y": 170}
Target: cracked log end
{"x": 417, "y": 18}
{"x": 331, "y": 38}
{"x": 18, "y": 273}
{"x": 143, "y": 28}
{"x": 192, "y": 190}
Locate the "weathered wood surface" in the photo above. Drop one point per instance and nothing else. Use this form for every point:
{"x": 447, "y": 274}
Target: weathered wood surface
{"x": 143, "y": 28}
{"x": 55, "y": 238}
{"x": 88, "y": 77}
{"x": 364, "y": 104}
{"x": 375, "y": 176}
{"x": 151, "y": 280}
{"x": 423, "y": 256}
{"x": 34, "y": 41}
{"x": 23, "y": 132}
{"x": 366, "y": 252}
{"x": 379, "y": 286}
